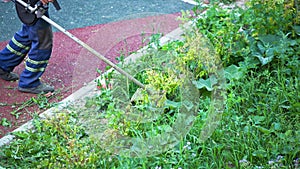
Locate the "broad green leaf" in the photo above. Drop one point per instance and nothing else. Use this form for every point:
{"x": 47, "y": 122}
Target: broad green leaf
{"x": 270, "y": 40}
{"x": 261, "y": 47}
{"x": 207, "y": 83}
{"x": 270, "y": 52}
{"x": 264, "y": 60}
{"x": 233, "y": 72}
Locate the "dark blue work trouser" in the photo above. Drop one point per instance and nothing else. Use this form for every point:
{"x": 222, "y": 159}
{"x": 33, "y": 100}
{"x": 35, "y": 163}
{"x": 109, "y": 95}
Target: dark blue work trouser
{"x": 35, "y": 42}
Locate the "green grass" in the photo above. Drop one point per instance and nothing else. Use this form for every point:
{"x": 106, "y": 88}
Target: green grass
{"x": 259, "y": 127}
{"x": 261, "y": 122}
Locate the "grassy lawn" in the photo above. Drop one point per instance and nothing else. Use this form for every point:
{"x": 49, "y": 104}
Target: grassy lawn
{"x": 250, "y": 121}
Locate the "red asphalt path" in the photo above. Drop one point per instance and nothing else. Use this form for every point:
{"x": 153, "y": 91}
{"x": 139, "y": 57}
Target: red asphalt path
{"x": 71, "y": 66}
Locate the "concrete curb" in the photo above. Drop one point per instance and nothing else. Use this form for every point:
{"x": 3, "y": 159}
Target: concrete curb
{"x": 90, "y": 87}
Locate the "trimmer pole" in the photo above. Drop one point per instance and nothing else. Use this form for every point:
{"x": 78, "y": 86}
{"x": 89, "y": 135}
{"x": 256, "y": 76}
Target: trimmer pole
{"x": 93, "y": 51}
{"x": 80, "y": 42}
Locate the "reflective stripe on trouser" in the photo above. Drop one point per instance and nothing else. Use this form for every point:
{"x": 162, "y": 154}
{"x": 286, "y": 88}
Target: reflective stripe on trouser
{"x": 39, "y": 38}
{"x": 35, "y": 66}
{"x": 39, "y": 54}
{"x": 15, "y": 51}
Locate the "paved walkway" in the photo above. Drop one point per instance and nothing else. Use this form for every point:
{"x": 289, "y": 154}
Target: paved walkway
{"x": 78, "y": 14}
{"x": 112, "y": 28}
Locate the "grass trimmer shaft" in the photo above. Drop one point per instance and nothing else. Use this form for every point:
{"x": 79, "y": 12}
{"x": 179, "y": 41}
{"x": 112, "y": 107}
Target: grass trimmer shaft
{"x": 80, "y": 42}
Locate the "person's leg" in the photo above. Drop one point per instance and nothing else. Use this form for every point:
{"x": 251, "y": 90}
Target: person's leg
{"x": 41, "y": 38}
{"x": 13, "y": 54}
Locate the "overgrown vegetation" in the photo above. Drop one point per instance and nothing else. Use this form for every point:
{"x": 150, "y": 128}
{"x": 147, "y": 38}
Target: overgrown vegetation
{"x": 259, "y": 49}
